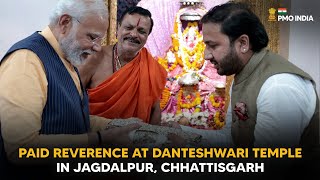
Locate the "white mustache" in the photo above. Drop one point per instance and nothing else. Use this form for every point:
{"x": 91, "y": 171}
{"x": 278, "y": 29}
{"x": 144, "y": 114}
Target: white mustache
{"x": 89, "y": 52}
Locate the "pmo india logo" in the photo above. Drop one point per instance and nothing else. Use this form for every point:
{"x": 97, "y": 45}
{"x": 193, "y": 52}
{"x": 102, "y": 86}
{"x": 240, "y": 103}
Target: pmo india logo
{"x": 283, "y": 16}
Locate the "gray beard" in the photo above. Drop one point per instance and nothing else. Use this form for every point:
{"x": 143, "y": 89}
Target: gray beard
{"x": 70, "y": 47}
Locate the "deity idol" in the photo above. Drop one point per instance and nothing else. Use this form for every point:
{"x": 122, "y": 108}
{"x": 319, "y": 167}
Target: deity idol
{"x": 194, "y": 93}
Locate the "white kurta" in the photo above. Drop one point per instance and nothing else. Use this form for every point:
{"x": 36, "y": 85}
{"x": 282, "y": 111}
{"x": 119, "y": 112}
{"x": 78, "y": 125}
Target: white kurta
{"x": 285, "y": 106}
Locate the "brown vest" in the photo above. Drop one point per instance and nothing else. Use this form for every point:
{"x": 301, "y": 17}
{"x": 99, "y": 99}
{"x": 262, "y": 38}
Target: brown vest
{"x": 246, "y": 88}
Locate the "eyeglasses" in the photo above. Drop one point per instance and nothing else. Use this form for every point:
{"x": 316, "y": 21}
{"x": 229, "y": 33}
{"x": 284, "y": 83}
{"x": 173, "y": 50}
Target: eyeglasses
{"x": 93, "y": 38}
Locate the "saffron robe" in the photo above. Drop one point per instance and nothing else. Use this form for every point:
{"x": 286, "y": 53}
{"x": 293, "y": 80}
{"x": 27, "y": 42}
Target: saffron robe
{"x": 131, "y": 91}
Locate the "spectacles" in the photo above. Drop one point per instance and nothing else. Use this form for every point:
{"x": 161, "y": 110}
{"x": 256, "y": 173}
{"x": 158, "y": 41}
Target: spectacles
{"x": 93, "y": 38}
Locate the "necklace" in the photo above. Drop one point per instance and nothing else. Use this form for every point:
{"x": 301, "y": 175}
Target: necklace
{"x": 116, "y": 62}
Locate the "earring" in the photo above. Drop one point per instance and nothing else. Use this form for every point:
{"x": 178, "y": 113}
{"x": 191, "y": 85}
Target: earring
{"x": 244, "y": 50}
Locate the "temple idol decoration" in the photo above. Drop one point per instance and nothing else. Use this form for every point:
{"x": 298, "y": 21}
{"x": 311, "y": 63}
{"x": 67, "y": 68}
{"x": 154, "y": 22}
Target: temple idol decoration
{"x": 194, "y": 93}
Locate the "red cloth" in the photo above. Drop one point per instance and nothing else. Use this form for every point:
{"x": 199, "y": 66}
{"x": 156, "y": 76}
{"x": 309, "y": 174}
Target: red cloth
{"x": 131, "y": 91}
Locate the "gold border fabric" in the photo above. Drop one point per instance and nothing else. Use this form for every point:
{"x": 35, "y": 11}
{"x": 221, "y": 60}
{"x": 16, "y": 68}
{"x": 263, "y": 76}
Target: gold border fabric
{"x": 111, "y": 33}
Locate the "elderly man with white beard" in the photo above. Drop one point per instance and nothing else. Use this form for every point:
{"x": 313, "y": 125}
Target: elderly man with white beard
{"x": 41, "y": 98}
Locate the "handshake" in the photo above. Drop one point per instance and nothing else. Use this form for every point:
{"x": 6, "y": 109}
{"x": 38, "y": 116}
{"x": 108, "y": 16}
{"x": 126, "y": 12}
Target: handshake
{"x": 134, "y": 133}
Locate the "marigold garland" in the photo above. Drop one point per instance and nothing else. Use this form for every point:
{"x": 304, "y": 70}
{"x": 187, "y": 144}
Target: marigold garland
{"x": 187, "y": 51}
{"x": 165, "y": 96}
{"x": 213, "y": 101}
{"x": 218, "y": 120}
{"x": 196, "y": 101}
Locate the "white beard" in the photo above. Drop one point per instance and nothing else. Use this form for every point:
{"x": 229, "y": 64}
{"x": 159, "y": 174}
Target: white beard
{"x": 71, "y": 48}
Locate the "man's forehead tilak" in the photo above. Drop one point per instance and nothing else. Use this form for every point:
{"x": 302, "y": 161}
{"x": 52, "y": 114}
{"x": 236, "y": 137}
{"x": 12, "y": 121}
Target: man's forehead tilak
{"x": 138, "y": 22}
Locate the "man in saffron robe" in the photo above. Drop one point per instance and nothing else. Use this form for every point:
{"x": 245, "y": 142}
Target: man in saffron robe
{"x": 124, "y": 80}
{"x": 43, "y": 104}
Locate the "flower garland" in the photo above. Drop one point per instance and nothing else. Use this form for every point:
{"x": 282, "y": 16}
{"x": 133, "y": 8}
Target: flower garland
{"x": 214, "y": 101}
{"x": 194, "y": 101}
{"x": 170, "y": 66}
{"x": 163, "y": 62}
{"x": 197, "y": 62}
{"x": 195, "y": 52}
{"x": 217, "y": 120}
{"x": 165, "y": 96}
{"x": 204, "y": 111}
